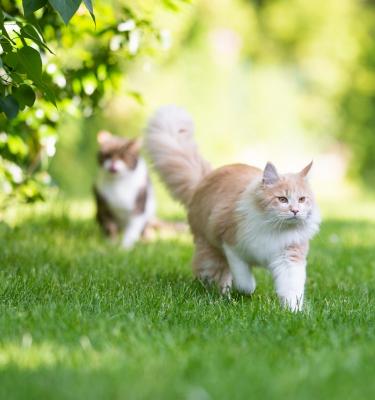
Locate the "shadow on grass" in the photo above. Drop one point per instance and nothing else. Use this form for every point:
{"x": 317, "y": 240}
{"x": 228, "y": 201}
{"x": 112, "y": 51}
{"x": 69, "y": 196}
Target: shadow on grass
{"x": 47, "y": 248}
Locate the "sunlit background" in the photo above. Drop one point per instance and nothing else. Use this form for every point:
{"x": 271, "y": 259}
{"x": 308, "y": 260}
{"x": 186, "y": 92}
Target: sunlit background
{"x": 282, "y": 81}
{"x": 286, "y": 81}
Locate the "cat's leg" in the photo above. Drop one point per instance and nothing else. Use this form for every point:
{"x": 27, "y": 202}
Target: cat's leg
{"x": 211, "y": 266}
{"x": 111, "y": 228}
{"x": 243, "y": 278}
{"x": 289, "y": 274}
{"x": 104, "y": 216}
{"x": 133, "y": 230}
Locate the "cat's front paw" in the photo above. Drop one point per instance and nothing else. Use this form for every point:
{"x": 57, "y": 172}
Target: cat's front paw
{"x": 128, "y": 243}
{"x": 246, "y": 286}
{"x": 293, "y": 303}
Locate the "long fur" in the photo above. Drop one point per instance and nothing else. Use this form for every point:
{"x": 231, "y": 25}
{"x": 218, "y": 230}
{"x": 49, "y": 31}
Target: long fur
{"x": 171, "y": 146}
{"x": 239, "y": 215}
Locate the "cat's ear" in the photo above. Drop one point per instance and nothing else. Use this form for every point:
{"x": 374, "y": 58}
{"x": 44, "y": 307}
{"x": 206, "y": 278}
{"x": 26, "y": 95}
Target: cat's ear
{"x": 270, "y": 175}
{"x": 134, "y": 145}
{"x": 304, "y": 173}
{"x": 103, "y": 136}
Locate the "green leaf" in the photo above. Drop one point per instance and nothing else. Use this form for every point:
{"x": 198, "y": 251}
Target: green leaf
{"x": 66, "y": 8}
{"x": 1, "y": 17}
{"x": 88, "y": 4}
{"x": 49, "y": 93}
{"x": 25, "y": 95}
{"x": 5, "y": 36}
{"x": 32, "y": 62}
{"x": 9, "y": 106}
{"x": 6, "y": 44}
{"x": 11, "y": 59}
{"x": 18, "y": 76}
{"x": 29, "y": 6}
{"x": 30, "y": 32}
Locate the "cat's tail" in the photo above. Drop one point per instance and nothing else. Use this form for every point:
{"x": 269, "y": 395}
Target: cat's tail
{"x": 174, "y": 153}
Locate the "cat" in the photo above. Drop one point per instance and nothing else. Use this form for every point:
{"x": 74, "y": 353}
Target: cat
{"x": 240, "y": 216}
{"x": 123, "y": 191}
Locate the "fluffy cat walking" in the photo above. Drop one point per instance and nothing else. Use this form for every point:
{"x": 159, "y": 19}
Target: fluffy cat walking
{"x": 240, "y": 216}
{"x": 124, "y": 195}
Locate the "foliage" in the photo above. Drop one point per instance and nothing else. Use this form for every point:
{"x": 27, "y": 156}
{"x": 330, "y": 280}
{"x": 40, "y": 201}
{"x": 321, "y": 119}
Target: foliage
{"x": 23, "y": 43}
{"x": 64, "y": 70}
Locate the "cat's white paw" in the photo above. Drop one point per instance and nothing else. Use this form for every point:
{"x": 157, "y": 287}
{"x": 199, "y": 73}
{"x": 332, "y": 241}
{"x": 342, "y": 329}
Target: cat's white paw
{"x": 292, "y": 302}
{"x": 246, "y": 286}
{"x": 243, "y": 278}
{"x": 128, "y": 243}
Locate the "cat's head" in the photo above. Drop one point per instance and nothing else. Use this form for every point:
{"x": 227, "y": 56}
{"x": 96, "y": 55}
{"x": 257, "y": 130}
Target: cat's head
{"x": 117, "y": 155}
{"x": 286, "y": 199}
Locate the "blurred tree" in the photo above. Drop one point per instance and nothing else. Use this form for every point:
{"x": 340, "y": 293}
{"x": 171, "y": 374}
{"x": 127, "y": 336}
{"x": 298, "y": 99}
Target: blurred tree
{"x": 330, "y": 46}
{"x": 357, "y": 100}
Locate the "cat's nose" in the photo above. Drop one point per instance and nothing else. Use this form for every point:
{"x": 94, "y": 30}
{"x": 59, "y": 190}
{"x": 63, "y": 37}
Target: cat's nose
{"x": 294, "y": 211}
{"x": 113, "y": 168}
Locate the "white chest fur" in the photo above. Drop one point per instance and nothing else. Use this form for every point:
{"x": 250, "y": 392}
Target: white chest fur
{"x": 259, "y": 246}
{"x": 258, "y": 242}
{"x": 121, "y": 191}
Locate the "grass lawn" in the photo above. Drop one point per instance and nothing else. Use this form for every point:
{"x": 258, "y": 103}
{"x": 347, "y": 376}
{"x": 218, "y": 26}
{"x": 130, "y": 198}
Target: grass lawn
{"x": 81, "y": 318}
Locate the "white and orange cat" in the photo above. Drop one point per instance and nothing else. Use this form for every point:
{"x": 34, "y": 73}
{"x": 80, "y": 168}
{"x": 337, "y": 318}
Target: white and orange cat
{"x": 240, "y": 216}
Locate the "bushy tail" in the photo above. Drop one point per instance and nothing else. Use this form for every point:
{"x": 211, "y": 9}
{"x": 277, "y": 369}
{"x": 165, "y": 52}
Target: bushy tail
{"x": 170, "y": 143}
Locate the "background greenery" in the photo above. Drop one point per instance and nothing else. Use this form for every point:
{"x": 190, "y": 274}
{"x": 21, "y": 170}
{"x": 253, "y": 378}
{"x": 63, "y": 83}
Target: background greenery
{"x": 293, "y": 74}
{"x": 285, "y": 81}
{"x": 281, "y": 80}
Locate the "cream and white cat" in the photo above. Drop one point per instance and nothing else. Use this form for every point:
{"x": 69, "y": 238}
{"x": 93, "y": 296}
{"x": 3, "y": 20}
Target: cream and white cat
{"x": 240, "y": 216}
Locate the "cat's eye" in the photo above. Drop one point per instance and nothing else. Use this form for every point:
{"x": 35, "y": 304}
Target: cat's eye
{"x": 282, "y": 199}
{"x": 302, "y": 199}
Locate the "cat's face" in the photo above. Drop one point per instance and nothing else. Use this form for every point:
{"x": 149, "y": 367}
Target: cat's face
{"x": 117, "y": 156}
{"x": 286, "y": 200}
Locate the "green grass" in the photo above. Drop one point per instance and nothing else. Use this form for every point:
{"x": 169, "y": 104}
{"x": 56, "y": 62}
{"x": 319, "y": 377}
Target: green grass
{"x": 81, "y": 318}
